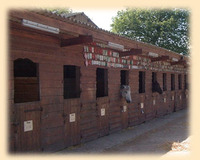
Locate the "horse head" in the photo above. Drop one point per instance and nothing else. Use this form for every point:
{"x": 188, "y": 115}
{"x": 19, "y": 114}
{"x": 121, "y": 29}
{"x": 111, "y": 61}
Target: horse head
{"x": 157, "y": 88}
{"x": 126, "y": 93}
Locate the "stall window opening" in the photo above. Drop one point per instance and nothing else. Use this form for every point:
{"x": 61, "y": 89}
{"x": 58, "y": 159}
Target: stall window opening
{"x": 179, "y": 82}
{"x": 124, "y": 77}
{"x": 71, "y": 81}
{"x": 164, "y": 81}
{"x": 185, "y": 82}
{"x": 141, "y": 82}
{"x": 172, "y": 82}
{"x": 101, "y": 82}
{"x": 26, "y": 81}
{"x": 154, "y": 79}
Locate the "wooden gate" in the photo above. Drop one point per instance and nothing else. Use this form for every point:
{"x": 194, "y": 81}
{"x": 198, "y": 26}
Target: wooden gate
{"x": 71, "y": 117}
{"x": 103, "y": 115}
{"x": 27, "y": 122}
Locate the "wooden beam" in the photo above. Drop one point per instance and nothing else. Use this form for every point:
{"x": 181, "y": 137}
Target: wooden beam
{"x": 180, "y": 62}
{"x": 162, "y": 58}
{"x": 75, "y": 41}
{"x": 133, "y": 51}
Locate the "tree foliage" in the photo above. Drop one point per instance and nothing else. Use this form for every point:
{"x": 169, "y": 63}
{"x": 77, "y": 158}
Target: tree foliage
{"x": 164, "y": 28}
{"x": 60, "y": 10}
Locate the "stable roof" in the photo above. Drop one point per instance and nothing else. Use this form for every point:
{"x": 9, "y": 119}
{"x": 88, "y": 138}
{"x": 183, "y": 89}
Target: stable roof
{"x": 79, "y": 25}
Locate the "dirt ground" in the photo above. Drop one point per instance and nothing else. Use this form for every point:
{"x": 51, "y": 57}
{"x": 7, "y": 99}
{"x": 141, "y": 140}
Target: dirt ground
{"x": 160, "y": 140}
{"x": 159, "y": 136}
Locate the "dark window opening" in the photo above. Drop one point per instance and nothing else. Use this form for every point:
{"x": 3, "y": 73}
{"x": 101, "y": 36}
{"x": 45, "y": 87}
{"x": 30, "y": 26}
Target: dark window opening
{"x": 179, "y": 81}
{"x": 154, "y": 79}
{"x": 71, "y": 82}
{"x": 185, "y": 82}
{"x": 124, "y": 77}
{"x": 26, "y": 81}
{"x": 25, "y": 68}
{"x": 164, "y": 81}
{"x": 172, "y": 82}
{"x": 102, "y": 82}
{"x": 141, "y": 82}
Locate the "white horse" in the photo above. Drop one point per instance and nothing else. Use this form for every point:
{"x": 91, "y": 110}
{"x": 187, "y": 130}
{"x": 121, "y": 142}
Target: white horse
{"x": 125, "y": 92}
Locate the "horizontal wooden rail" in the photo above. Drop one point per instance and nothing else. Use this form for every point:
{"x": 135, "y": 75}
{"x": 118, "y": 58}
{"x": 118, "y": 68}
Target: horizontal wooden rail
{"x": 132, "y": 51}
{"x": 75, "y": 41}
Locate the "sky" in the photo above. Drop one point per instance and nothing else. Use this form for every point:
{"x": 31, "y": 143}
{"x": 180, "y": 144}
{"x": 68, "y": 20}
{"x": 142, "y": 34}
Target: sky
{"x": 102, "y": 18}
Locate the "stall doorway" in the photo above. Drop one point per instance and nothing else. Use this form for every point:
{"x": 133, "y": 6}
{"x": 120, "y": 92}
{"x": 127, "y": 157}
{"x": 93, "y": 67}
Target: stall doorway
{"x": 124, "y": 75}
{"x": 27, "y": 120}
{"x": 102, "y": 101}
{"x": 72, "y": 104}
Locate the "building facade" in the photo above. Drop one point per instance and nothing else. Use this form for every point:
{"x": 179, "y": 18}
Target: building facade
{"x": 65, "y": 77}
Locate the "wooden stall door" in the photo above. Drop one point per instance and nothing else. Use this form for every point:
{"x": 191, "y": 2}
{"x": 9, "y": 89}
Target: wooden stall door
{"x": 185, "y": 99}
{"x": 172, "y": 99}
{"x": 155, "y": 104}
{"x": 150, "y": 107}
{"x": 182, "y": 99}
{"x": 124, "y": 113}
{"x": 167, "y": 101}
{"x": 28, "y": 121}
{"x": 142, "y": 109}
{"x": 103, "y": 116}
{"x": 179, "y": 100}
{"x": 71, "y": 117}
{"x": 163, "y": 108}
{"x": 176, "y": 102}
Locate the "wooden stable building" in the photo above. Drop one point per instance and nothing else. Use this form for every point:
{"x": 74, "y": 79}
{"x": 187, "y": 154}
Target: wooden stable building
{"x": 65, "y": 75}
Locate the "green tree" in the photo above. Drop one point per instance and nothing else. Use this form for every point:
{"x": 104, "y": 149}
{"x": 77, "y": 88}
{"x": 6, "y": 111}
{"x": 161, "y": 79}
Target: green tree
{"x": 164, "y": 28}
{"x": 60, "y": 10}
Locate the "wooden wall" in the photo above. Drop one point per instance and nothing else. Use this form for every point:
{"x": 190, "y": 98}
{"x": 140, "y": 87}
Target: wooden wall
{"x": 52, "y": 129}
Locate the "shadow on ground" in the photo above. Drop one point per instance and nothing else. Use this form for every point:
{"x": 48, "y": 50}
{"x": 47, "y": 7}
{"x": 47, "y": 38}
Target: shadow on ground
{"x": 158, "y": 140}
{"x": 153, "y": 137}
